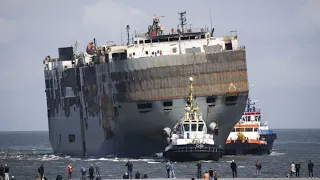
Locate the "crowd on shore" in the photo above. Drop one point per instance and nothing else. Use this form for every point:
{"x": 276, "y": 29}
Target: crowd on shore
{"x": 94, "y": 171}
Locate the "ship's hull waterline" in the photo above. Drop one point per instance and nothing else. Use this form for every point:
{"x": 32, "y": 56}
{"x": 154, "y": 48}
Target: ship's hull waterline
{"x": 93, "y": 110}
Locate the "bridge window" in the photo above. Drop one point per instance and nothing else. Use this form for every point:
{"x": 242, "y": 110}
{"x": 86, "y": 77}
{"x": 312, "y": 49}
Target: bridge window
{"x": 141, "y": 42}
{"x": 193, "y": 127}
{"x": 186, "y": 127}
{"x": 233, "y": 130}
{"x": 200, "y": 127}
{"x": 135, "y": 42}
{"x": 147, "y": 41}
{"x": 155, "y": 40}
{"x": 248, "y": 129}
{"x": 119, "y": 56}
{"x": 228, "y": 46}
{"x": 239, "y": 129}
{"x": 255, "y": 129}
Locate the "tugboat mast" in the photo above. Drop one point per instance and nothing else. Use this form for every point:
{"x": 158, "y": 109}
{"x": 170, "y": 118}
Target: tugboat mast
{"x": 190, "y": 109}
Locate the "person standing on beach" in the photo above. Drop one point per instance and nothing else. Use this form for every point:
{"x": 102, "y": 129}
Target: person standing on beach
{"x": 172, "y": 174}
{"x": 1, "y": 172}
{"x": 297, "y": 169}
{"x": 97, "y": 169}
{"x": 6, "y": 172}
{"x": 91, "y": 171}
{"x": 258, "y": 168}
{"x": 210, "y": 173}
{"x": 233, "y": 166}
{"x": 59, "y": 177}
{"x": 83, "y": 173}
{"x": 69, "y": 171}
{"x": 129, "y": 168}
{"x": 168, "y": 169}
{"x": 206, "y": 176}
{"x": 292, "y": 169}
{"x": 199, "y": 172}
{"x": 310, "y": 168}
{"x": 215, "y": 175}
{"x": 41, "y": 171}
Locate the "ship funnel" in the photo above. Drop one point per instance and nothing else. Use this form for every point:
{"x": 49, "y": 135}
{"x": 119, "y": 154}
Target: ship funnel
{"x": 213, "y": 125}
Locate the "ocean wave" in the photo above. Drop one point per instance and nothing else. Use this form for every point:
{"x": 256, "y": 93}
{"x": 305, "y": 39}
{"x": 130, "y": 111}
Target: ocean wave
{"x": 273, "y": 153}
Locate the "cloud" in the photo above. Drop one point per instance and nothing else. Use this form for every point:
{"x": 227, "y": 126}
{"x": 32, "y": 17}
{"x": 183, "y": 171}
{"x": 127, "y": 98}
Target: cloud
{"x": 107, "y": 19}
{"x": 312, "y": 13}
{"x": 8, "y": 31}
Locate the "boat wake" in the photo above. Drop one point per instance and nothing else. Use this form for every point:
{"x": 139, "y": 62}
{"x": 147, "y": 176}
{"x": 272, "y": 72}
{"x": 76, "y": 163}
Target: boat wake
{"x": 273, "y": 153}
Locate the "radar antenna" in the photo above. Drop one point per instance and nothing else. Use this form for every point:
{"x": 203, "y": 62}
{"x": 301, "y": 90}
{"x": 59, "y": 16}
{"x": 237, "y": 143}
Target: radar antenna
{"x": 183, "y": 20}
{"x": 155, "y": 29}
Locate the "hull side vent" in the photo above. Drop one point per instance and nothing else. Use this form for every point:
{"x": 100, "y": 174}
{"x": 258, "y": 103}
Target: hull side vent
{"x": 167, "y": 103}
{"x": 211, "y": 99}
{"x": 144, "y": 106}
{"x": 231, "y": 100}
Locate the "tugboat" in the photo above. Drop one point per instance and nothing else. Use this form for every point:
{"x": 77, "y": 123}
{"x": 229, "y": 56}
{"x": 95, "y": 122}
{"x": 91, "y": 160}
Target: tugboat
{"x": 189, "y": 140}
{"x": 245, "y": 137}
{"x": 267, "y": 134}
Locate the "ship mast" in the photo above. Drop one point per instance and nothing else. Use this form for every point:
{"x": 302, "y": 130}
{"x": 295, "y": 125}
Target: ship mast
{"x": 183, "y": 20}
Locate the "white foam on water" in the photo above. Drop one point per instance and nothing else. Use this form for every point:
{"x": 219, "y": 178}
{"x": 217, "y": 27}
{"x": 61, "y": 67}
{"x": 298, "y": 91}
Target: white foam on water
{"x": 241, "y": 167}
{"x": 153, "y": 162}
{"x": 273, "y": 153}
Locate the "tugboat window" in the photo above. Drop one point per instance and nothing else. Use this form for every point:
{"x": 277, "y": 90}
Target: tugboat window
{"x": 248, "y": 129}
{"x": 200, "y": 127}
{"x": 193, "y": 127}
{"x": 186, "y": 127}
{"x": 233, "y": 130}
{"x": 255, "y": 129}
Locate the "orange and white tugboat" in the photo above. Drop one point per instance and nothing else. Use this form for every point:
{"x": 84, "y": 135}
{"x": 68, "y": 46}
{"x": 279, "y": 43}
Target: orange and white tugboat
{"x": 245, "y": 137}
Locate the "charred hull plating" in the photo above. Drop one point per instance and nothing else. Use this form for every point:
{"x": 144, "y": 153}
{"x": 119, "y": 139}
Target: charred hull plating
{"x": 115, "y": 108}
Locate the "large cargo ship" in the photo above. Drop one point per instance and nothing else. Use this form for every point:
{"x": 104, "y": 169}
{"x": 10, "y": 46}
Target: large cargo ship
{"x": 121, "y": 99}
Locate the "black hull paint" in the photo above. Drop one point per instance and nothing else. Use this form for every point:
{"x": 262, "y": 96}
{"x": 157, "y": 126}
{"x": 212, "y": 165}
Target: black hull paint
{"x": 185, "y": 153}
{"x": 269, "y": 138}
{"x": 240, "y": 148}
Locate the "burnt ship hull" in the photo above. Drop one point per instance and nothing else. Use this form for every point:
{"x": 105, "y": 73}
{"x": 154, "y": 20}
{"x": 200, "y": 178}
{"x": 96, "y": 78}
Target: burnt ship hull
{"x": 239, "y": 147}
{"x": 183, "y": 153}
{"x": 121, "y": 108}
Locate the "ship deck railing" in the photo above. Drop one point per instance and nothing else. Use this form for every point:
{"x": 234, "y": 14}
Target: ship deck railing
{"x": 56, "y": 67}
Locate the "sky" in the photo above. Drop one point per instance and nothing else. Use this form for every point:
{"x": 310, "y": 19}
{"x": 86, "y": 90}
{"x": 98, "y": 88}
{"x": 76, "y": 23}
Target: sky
{"x": 282, "y": 40}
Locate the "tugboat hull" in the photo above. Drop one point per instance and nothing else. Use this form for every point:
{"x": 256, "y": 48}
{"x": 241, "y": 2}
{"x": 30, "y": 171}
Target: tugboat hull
{"x": 239, "y": 147}
{"x": 184, "y": 153}
{"x": 269, "y": 138}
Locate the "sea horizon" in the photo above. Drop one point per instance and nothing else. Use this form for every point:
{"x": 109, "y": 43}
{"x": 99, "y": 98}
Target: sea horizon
{"x": 306, "y": 128}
